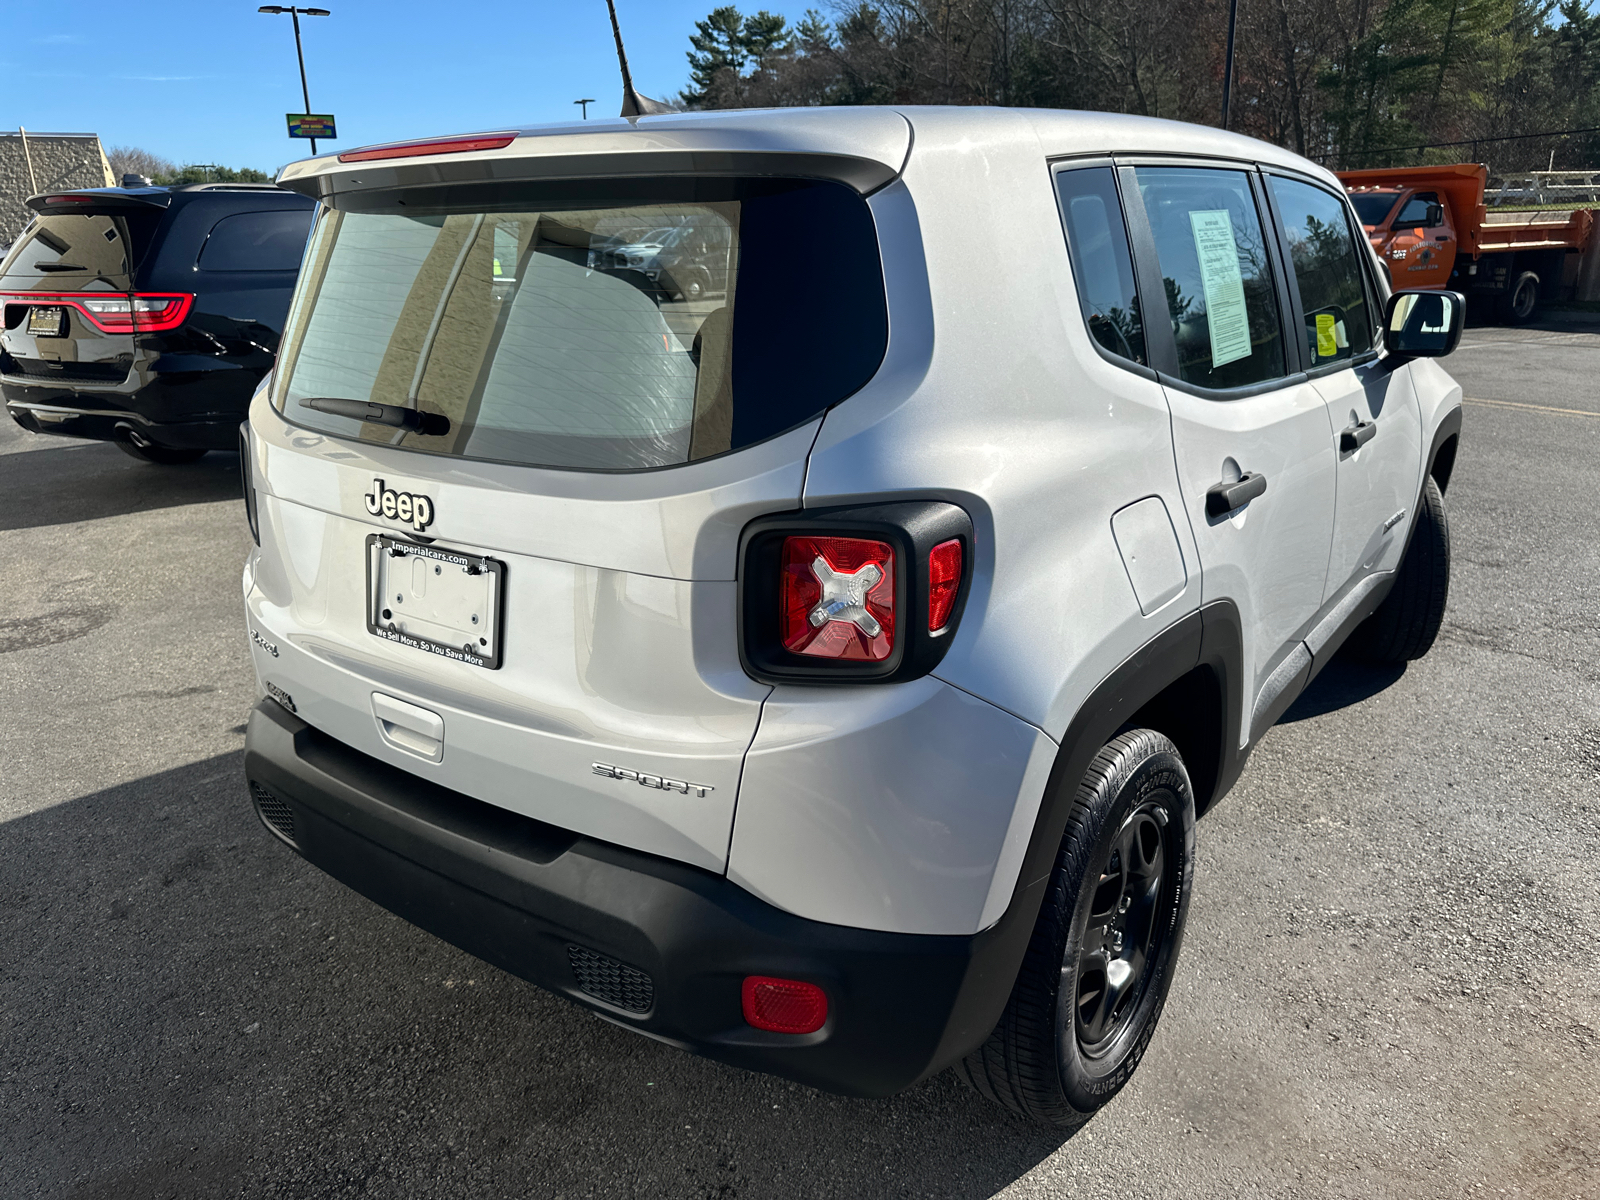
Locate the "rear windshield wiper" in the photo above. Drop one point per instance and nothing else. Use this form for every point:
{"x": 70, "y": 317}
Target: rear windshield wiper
{"x": 433, "y": 424}
{"x": 58, "y": 266}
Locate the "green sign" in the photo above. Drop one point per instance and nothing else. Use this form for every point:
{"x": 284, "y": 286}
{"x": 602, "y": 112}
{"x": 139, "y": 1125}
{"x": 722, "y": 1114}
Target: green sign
{"x": 311, "y": 125}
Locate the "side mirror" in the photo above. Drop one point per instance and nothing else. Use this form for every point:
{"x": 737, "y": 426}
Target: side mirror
{"x": 1435, "y": 215}
{"x": 1423, "y": 323}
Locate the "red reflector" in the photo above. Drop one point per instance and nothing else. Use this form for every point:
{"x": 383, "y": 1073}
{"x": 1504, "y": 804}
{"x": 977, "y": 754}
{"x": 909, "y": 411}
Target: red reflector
{"x": 784, "y": 1005}
{"x": 944, "y": 578}
{"x": 117, "y": 312}
{"x": 837, "y": 598}
{"x": 493, "y": 141}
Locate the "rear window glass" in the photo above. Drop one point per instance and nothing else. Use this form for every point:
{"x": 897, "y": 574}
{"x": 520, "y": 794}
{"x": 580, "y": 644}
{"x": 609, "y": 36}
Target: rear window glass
{"x": 68, "y": 252}
{"x": 257, "y": 241}
{"x": 603, "y": 336}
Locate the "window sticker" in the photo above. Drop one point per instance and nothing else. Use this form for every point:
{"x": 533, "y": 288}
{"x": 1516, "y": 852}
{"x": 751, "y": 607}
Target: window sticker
{"x": 1327, "y": 335}
{"x": 1226, "y": 315}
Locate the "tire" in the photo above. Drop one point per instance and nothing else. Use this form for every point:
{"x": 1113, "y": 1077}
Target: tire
{"x": 1521, "y": 300}
{"x": 1127, "y": 855}
{"x": 696, "y": 286}
{"x": 167, "y": 456}
{"x": 1406, "y": 623}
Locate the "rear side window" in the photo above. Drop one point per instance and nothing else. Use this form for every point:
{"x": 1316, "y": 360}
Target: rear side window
{"x": 257, "y": 241}
{"x": 1323, "y": 254}
{"x": 1102, "y": 265}
{"x": 607, "y": 335}
{"x": 71, "y": 252}
{"x": 1213, "y": 258}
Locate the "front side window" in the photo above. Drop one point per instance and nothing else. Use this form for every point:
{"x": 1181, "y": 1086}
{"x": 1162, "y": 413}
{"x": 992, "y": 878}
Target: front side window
{"x": 601, "y": 335}
{"x": 1213, "y": 258}
{"x": 1417, "y": 212}
{"x": 1097, "y": 241}
{"x": 1323, "y": 255}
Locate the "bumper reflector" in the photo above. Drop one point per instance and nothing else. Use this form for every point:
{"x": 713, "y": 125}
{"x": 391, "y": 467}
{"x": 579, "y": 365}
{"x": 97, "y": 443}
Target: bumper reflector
{"x": 784, "y": 1005}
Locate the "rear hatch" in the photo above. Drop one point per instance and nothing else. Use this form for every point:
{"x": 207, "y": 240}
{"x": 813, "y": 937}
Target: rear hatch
{"x": 502, "y": 477}
{"x": 67, "y": 290}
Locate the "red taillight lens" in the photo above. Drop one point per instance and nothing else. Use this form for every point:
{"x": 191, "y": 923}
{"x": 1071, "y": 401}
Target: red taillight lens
{"x": 837, "y": 598}
{"x": 494, "y": 141}
{"x": 784, "y": 1005}
{"x": 944, "y": 579}
{"x": 117, "y": 312}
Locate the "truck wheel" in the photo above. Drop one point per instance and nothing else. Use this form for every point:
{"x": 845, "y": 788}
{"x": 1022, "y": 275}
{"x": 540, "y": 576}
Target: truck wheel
{"x": 1408, "y": 620}
{"x": 1521, "y": 300}
{"x": 165, "y": 455}
{"x": 1095, "y": 976}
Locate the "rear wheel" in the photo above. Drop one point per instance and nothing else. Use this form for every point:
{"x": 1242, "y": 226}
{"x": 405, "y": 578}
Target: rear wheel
{"x": 1095, "y": 977}
{"x": 167, "y": 456}
{"x": 1406, "y": 623}
{"x": 1521, "y": 300}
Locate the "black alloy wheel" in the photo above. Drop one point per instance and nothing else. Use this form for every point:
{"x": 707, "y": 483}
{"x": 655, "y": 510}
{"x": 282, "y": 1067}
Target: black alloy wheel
{"x": 1128, "y": 916}
{"x": 1094, "y": 980}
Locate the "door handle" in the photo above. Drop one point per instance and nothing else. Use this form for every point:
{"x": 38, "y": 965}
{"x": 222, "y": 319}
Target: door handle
{"x": 1441, "y": 237}
{"x": 1357, "y": 436}
{"x": 1224, "y": 498}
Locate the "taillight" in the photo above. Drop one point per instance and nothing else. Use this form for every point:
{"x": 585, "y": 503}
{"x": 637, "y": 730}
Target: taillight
{"x": 944, "y": 580}
{"x": 459, "y": 145}
{"x": 861, "y": 594}
{"x": 837, "y": 598}
{"x": 249, "y": 483}
{"x": 116, "y": 312}
{"x": 783, "y": 1005}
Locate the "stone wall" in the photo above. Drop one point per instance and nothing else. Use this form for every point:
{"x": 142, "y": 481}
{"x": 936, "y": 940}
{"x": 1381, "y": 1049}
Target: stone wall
{"x": 60, "y": 160}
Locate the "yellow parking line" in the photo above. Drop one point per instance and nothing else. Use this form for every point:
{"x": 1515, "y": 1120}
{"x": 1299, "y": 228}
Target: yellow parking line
{"x": 1569, "y": 412}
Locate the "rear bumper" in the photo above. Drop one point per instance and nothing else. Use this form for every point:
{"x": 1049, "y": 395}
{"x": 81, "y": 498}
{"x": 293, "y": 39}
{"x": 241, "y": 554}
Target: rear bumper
{"x": 82, "y": 417}
{"x": 534, "y": 900}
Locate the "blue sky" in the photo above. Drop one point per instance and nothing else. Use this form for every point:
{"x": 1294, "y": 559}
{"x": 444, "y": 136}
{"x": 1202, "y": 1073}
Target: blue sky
{"x": 210, "y": 80}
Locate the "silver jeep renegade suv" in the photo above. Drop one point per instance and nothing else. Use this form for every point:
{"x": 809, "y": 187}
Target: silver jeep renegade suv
{"x": 812, "y": 647}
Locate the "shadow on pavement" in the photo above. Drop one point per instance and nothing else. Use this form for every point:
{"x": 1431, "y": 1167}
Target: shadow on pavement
{"x": 65, "y": 484}
{"x": 1343, "y": 682}
{"x": 189, "y": 1010}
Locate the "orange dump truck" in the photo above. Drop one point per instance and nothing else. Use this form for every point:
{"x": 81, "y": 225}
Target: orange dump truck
{"x": 1430, "y": 227}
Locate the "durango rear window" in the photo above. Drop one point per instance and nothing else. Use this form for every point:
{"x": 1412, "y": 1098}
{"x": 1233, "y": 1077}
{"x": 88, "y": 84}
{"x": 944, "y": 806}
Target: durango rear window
{"x": 72, "y": 251}
{"x": 591, "y": 332}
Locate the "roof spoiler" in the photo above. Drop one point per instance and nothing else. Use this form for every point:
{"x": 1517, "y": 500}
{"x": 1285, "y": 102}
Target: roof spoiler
{"x": 89, "y": 201}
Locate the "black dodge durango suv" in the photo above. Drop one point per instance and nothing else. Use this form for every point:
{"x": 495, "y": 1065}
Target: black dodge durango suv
{"x": 146, "y": 316}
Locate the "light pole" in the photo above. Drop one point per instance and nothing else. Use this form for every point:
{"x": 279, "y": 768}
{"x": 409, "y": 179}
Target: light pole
{"x": 585, "y": 104}
{"x": 295, "y": 14}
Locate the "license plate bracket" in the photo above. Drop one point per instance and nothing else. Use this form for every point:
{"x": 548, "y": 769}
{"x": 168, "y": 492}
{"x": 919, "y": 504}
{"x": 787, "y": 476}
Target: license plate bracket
{"x": 427, "y": 597}
{"x": 47, "y": 321}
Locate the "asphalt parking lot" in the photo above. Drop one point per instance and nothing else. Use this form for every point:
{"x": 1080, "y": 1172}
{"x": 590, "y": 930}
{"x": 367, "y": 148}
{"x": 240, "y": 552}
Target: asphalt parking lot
{"x": 1390, "y": 985}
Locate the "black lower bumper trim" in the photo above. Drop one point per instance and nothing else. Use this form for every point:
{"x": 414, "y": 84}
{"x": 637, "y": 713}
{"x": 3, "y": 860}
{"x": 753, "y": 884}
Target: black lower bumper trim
{"x": 108, "y": 425}
{"x": 523, "y": 895}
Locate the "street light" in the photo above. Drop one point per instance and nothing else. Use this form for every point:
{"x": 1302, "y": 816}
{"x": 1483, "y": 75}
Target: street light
{"x": 296, "y": 14}
{"x": 585, "y": 104}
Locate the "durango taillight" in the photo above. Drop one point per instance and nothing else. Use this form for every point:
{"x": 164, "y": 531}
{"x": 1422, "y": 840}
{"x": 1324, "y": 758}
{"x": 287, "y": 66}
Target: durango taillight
{"x": 868, "y": 594}
{"x": 837, "y": 596}
{"x": 116, "y": 312}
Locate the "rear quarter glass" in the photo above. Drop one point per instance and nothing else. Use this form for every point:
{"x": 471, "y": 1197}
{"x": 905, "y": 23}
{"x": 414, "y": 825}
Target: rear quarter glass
{"x": 589, "y": 329}
{"x": 256, "y": 241}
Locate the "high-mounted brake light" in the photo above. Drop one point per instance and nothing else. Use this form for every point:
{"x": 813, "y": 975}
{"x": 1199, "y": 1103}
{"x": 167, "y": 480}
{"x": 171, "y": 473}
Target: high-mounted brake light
{"x": 944, "y": 580}
{"x": 116, "y": 312}
{"x": 70, "y": 199}
{"x": 492, "y": 141}
{"x": 837, "y": 598}
{"x": 783, "y": 1005}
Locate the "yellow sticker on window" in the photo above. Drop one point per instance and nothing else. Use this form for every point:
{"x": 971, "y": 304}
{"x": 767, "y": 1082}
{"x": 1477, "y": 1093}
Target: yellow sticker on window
{"x": 1327, "y": 337}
